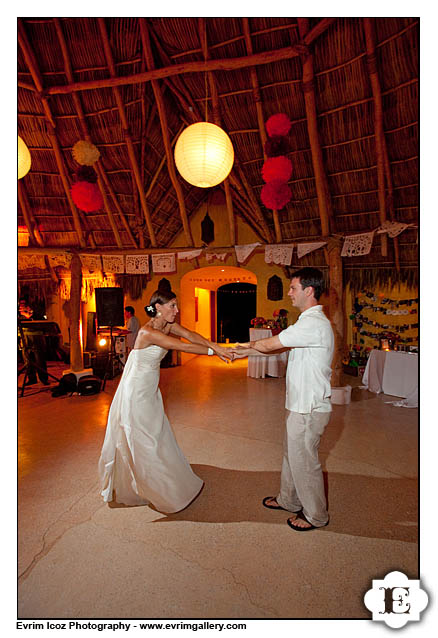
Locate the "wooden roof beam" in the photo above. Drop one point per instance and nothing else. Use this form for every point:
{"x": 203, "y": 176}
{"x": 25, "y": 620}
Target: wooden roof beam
{"x": 29, "y": 219}
{"x": 36, "y": 76}
{"x": 381, "y": 151}
{"x": 125, "y": 127}
{"x": 147, "y": 51}
{"x": 260, "y": 119}
{"x": 218, "y": 121}
{"x": 322, "y": 190}
{"x": 189, "y": 105}
{"x": 227, "y": 64}
{"x": 102, "y": 178}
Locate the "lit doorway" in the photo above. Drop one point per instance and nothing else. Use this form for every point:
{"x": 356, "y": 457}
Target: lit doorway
{"x": 236, "y": 306}
{"x": 198, "y": 299}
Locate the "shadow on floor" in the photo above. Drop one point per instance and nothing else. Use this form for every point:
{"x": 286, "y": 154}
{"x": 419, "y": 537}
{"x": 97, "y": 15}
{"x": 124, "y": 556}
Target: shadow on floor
{"x": 358, "y": 505}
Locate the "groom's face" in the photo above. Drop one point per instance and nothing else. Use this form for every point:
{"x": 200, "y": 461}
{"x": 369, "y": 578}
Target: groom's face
{"x": 298, "y": 296}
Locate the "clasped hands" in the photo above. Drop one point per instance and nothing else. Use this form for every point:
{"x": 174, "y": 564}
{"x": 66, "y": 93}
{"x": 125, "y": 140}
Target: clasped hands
{"x": 239, "y": 351}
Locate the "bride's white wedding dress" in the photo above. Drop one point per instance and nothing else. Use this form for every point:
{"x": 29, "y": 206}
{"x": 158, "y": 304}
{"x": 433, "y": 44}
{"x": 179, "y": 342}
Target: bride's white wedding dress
{"x": 140, "y": 459}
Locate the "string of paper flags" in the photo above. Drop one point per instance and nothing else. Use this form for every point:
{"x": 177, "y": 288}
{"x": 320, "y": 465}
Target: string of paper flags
{"x": 279, "y": 254}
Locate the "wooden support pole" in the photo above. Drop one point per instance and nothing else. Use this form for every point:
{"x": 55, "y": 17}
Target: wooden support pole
{"x": 260, "y": 119}
{"x": 125, "y": 126}
{"x": 36, "y": 76}
{"x": 76, "y": 355}
{"x": 322, "y": 191}
{"x": 147, "y": 51}
{"x": 336, "y": 310}
{"x": 229, "y": 64}
{"x": 378, "y": 126}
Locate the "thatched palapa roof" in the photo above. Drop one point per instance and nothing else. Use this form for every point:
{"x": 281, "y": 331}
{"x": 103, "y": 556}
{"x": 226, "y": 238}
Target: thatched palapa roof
{"x": 131, "y": 85}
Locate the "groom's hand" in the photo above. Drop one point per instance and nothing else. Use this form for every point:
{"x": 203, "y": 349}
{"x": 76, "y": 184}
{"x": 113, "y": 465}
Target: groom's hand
{"x": 240, "y": 351}
{"x": 225, "y": 354}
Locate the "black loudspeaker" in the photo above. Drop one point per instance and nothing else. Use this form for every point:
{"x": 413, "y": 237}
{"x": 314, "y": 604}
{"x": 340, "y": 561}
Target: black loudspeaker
{"x": 91, "y": 332}
{"x": 89, "y": 384}
{"x": 99, "y": 363}
{"x": 109, "y": 307}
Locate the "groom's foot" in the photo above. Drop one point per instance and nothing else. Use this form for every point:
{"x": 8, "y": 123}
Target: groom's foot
{"x": 301, "y": 523}
{"x": 271, "y": 503}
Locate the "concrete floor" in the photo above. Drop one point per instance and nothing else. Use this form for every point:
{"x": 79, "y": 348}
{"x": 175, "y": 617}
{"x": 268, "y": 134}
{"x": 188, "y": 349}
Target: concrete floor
{"x": 225, "y": 556}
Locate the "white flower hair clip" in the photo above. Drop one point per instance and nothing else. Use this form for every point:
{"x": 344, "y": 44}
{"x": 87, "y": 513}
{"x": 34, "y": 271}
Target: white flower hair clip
{"x": 150, "y": 308}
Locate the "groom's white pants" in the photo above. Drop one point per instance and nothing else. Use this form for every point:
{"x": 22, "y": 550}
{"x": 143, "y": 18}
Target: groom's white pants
{"x": 302, "y": 484}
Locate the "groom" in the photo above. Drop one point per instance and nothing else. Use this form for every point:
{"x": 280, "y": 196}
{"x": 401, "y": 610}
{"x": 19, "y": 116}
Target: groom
{"x": 308, "y": 390}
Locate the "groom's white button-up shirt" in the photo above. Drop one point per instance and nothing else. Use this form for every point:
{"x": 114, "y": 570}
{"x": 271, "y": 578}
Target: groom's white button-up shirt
{"x": 309, "y": 367}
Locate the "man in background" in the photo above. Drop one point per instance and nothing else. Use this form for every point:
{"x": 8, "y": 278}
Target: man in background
{"x": 132, "y": 324}
{"x": 34, "y": 348}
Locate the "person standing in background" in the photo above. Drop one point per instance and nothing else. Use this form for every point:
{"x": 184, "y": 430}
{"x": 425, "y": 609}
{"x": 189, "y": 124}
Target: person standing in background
{"x": 132, "y": 324}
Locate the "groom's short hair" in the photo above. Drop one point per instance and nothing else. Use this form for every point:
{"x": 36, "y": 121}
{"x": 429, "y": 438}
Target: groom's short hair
{"x": 311, "y": 277}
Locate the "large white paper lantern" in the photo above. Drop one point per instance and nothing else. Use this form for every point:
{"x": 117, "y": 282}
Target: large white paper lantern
{"x": 24, "y": 160}
{"x": 204, "y": 154}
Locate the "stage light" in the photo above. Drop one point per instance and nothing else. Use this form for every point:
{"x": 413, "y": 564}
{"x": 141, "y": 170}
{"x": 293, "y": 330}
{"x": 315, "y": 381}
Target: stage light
{"x": 102, "y": 342}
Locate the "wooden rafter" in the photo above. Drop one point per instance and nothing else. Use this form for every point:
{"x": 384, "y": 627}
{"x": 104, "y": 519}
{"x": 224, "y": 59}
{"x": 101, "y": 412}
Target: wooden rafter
{"x": 36, "y": 76}
{"x": 378, "y": 127}
{"x": 218, "y": 121}
{"x": 164, "y": 130}
{"x": 322, "y": 190}
{"x": 33, "y": 231}
{"x": 228, "y": 64}
{"x": 125, "y": 127}
{"x": 188, "y": 104}
{"x": 259, "y": 109}
{"x": 102, "y": 178}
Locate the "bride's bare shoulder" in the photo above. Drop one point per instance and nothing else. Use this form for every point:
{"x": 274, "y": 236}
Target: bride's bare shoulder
{"x": 145, "y": 334}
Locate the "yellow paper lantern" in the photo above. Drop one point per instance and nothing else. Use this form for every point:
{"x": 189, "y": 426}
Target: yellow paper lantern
{"x": 204, "y": 154}
{"x": 24, "y": 160}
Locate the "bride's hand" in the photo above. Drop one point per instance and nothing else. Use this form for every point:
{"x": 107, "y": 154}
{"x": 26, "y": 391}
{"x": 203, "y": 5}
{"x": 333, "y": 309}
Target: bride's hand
{"x": 223, "y": 353}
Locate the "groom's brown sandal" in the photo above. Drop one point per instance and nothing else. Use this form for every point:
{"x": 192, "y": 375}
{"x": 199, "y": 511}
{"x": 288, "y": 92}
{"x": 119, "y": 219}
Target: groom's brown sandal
{"x": 272, "y": 507}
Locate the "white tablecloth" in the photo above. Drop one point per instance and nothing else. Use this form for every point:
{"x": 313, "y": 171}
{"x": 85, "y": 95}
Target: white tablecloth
{"x": 393, "y": 373}
{"x": 261, "y": 366}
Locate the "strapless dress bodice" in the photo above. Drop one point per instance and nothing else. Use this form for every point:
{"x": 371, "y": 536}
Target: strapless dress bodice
{"x": 149, "y": 356}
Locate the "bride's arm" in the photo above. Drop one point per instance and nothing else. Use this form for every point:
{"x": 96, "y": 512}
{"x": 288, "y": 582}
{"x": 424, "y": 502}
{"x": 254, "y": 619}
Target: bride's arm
{"x": 196, "y": 338}
{"x": 149, "y": 336}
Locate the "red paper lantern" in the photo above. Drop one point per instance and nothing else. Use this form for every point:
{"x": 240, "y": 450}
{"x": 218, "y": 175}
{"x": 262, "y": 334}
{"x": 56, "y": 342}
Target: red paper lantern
{"x": 87, "y": 196}
{"x": 276, "y": 194}
{"x": 277, "y": 168}
{"x": 278, "y": 124}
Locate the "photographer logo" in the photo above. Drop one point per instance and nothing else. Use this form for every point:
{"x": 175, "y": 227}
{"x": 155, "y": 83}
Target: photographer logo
{"x": 396, "y": 600}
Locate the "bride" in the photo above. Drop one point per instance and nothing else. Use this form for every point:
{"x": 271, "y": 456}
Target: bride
{"x": 141, "y": 462}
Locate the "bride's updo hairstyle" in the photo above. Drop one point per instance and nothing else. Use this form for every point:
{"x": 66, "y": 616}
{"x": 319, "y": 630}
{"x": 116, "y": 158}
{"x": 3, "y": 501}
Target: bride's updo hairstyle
{"x": 161, "y": 297}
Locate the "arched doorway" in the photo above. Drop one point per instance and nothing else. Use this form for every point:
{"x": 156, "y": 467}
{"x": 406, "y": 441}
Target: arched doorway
{"x": 236, "y": 306}
{"x": 199, "y": 298}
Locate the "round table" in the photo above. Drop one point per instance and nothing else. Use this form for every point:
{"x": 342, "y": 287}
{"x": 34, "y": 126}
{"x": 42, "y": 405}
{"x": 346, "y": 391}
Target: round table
{"x": 261, "y": 366}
